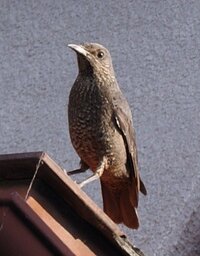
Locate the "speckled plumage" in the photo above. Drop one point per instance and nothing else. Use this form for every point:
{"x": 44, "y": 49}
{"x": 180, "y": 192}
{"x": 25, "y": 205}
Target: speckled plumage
{"x": 101, "y": 131}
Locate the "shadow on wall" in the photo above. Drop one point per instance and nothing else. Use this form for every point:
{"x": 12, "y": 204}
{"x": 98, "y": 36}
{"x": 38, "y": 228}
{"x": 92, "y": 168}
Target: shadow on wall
{"x": 189, "y": 240}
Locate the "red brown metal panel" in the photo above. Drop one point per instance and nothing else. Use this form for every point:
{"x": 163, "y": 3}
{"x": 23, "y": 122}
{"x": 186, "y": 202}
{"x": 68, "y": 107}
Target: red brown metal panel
{"x": 19, "y": 166}
{"x": 50, "y": 209}
{"x": 22, "y": 233}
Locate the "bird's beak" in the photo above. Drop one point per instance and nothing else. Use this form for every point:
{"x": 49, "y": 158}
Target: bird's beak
{"x": 79, "y": 49}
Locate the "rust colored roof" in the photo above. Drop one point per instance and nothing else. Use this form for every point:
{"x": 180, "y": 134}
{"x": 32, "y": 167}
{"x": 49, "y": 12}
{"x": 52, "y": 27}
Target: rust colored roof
{"x": 43, "y": 212}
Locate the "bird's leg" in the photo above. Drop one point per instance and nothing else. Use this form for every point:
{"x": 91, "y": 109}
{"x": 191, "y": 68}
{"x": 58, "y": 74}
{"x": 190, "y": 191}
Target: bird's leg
{"x": 97, "y": 174}
{"x": 83, "y": 167}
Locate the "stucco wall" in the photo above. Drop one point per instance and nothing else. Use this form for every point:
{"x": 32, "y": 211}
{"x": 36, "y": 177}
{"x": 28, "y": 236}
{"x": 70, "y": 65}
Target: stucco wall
{"x": 155, "y": 45}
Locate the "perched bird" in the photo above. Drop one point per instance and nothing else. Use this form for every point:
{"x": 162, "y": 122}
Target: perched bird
{"x": 102, "y": 133}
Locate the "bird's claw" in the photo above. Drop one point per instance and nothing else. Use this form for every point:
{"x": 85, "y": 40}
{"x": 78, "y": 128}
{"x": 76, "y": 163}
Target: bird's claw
{"x": 65, "y": 171}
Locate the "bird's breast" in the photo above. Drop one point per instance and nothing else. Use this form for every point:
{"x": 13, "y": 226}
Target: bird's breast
{"x": 92, "y": 130}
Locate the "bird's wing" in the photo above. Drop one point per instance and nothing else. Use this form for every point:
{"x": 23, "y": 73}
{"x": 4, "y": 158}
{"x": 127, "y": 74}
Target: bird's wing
{"x": 123, "y": 121}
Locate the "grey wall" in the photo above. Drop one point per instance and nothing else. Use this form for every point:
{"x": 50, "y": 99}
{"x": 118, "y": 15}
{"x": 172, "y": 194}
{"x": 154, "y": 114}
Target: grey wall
{"x": 155, "y": 45}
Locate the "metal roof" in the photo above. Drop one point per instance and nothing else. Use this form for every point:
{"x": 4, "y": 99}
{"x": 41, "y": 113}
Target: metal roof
{"x": 43, "y": 212}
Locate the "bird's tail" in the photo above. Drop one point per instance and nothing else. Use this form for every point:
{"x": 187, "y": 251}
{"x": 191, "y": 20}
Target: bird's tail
{"x": 117, "y": 205}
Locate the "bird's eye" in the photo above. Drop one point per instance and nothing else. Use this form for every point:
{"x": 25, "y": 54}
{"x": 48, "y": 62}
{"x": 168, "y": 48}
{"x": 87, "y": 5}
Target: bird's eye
{"x": 100, "y": 54}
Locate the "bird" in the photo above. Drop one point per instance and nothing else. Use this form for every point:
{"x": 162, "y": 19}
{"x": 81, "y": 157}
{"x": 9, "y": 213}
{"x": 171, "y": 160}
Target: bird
{"x": 102, "y": 133}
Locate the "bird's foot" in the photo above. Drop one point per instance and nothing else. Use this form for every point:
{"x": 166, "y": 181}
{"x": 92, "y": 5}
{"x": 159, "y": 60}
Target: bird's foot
{"x": 65, "y": 171}
{"x": 99, "y": 171}
{"x": 76, "y": 171}
{"x": 95, "y": 176}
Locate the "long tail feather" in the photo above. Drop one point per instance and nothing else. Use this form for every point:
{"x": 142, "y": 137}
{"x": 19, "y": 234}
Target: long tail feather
{"x": 118, "y": 206}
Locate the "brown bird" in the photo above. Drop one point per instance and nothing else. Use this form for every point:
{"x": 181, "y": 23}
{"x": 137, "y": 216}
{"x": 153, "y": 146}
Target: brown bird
{"x": 102, "y": 133}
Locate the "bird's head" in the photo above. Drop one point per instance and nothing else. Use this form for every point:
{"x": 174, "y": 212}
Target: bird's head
{"x": 93, "y": 58}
